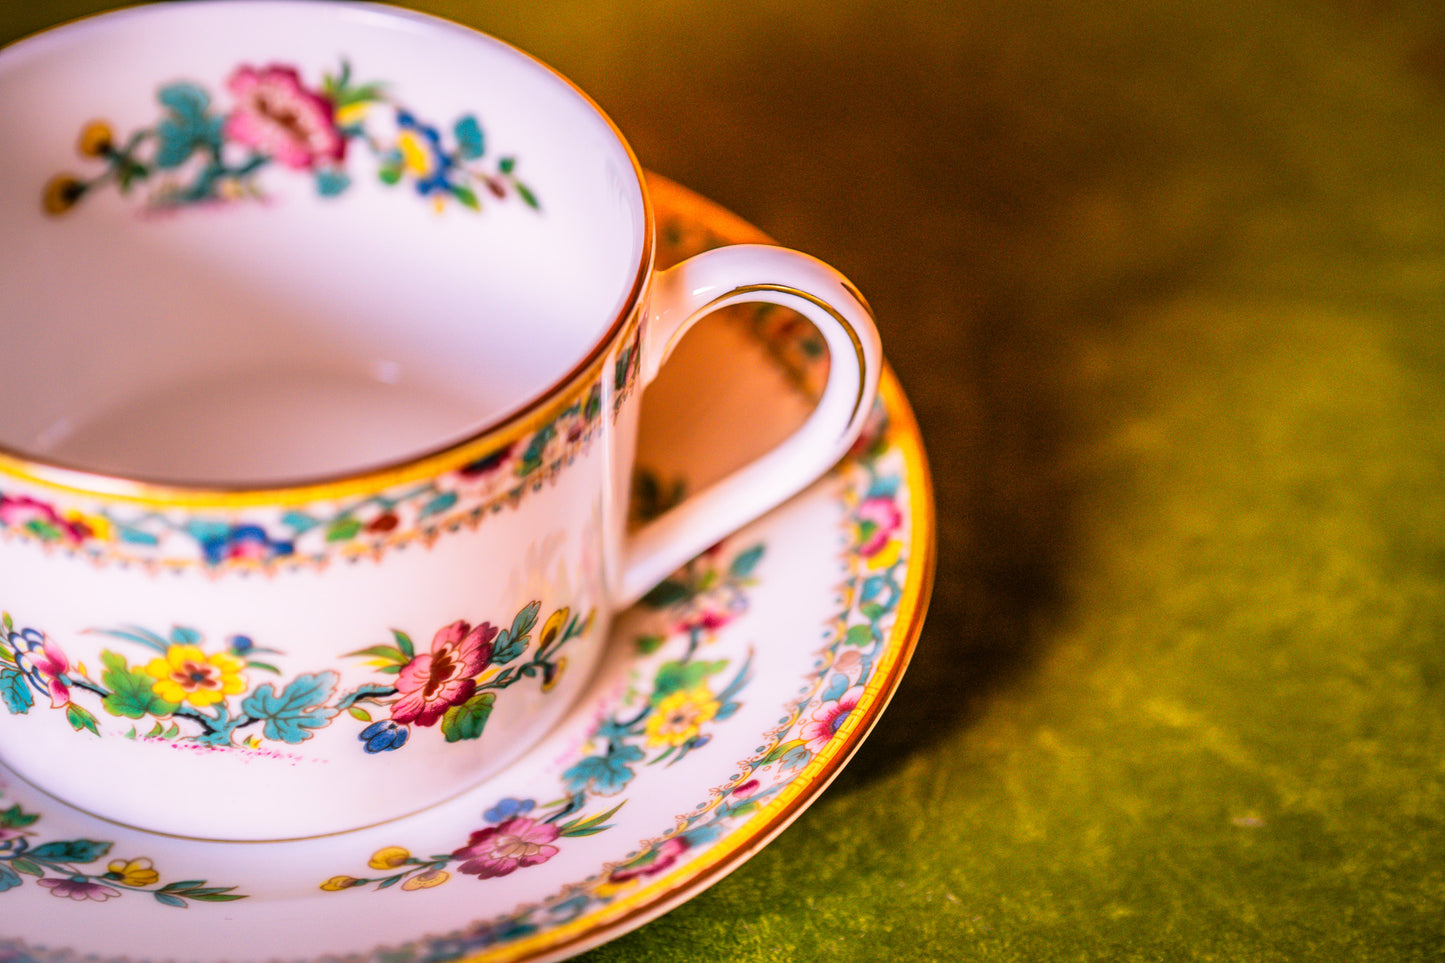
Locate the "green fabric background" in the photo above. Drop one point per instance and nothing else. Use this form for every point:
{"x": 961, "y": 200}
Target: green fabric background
{"x": 1165, "y": 282}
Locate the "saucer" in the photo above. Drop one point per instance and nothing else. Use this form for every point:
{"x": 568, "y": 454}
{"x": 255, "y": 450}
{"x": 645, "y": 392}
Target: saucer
{"x": 727, "y": 701}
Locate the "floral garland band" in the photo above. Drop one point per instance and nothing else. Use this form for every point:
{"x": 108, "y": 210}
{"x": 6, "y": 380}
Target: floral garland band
{"x": 314, "y": 534}
{"x": 206, "y": 696}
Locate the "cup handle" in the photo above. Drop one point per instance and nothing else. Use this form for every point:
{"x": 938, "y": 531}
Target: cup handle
{"x": 686, "y": 293}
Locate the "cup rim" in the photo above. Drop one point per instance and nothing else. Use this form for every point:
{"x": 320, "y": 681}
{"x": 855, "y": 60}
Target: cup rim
{"x": 541, "y": 407}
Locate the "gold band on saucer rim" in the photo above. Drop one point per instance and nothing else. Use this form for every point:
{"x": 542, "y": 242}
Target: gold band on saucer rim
{"x": 674, "y": 888}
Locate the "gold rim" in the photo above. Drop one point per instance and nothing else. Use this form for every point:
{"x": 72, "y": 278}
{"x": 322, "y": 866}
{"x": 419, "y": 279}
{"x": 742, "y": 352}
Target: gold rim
{"x": 641, "y": 907}
{"x": 546, "y": 405}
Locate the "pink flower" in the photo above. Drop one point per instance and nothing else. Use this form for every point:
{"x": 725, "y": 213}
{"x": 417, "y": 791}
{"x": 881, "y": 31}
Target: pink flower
{"x": 79, "y": 889}
{"x": 827, "y": 718}
{"x": 433, "y": 682}
{"x": 279, "y": 117}
{"x": 878, "y": 518}
{"x": 52, "y": 664}
{"x": 504, "y": 848}
{"x": 663, "y": 857}
{"x": 43, "y": 519}
{"x": 708, "y": 614}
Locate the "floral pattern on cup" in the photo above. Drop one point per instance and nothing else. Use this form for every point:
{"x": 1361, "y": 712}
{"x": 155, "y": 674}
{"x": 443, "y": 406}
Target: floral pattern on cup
{"x": 316, "y": 533}
{"x": 670, "y": 714}
{"x": 68, "y": 867}
{"x": 212, "y": 696}
{"x": 204, "y": 150}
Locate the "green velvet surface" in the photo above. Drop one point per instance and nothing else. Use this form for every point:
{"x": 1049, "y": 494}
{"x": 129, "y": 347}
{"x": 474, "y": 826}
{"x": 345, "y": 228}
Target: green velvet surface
{"x": 1165, "y": 282}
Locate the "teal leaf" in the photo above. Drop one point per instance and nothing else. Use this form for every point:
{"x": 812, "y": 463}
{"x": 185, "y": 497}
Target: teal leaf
{"x": 526, "y": 620}
{"x": 180, "y": 635}
{"x": 299, "y": 708}
{"x": 470, "y": 142}
{"x": 438, "y": 504}
{"x": 604, "y": 775}
{"x": 9, "y": 879}
{"x": 134, "y": 536}
{"x": 331, "y": 182}
{"x": 70, "y": 851}
{"x": 467, "y": 720}
{"x": 166, "y": 899}
{"x": 14, "y": 692}
{"x": 742, "y": 566}
{"x": 298, "y": 522}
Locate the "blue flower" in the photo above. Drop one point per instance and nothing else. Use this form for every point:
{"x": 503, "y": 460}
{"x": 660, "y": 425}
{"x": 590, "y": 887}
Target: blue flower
{"x": 507, "y": 808}
{"x": 227, "y": 542}
{"x": 384, "y": 736}
{"x": 420, "y": 146}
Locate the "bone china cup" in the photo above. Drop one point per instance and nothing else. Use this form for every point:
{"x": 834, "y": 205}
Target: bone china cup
{"x": 325, "y": 328}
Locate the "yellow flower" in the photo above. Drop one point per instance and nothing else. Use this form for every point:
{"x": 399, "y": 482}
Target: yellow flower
{"x": 553, "y": 625}
{"x": 427, "y": 879}
{"x": 133, "y": 872}
{"x": 680, "y": 717}
{"x": 416, "y": 156}
{"x": 62, "y": 192}
{"x": 388, "y": 857}
{"x": 188, "y": 675}
{"x": 96, "y": 139}
{"x": 97, "y": 525}
{"x": 338, "y": 883}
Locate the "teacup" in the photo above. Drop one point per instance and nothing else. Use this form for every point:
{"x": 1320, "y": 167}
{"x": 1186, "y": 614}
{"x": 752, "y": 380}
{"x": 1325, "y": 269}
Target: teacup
{"x": 325, "y": 328}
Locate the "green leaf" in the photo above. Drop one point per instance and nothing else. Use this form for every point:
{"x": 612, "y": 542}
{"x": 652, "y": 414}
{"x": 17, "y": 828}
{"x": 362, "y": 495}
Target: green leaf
{"x": 132, "y": 692}
{"x": 860, "y": 635}
{"x": 507, "y": 164}
{"x": 667, "y": 594}
{"x": 17, "y": 818}
{"x": 525, "y": 193}
{"x": 404, "y": 643}
{"x": 678, "y": 676}
{"x": 23, "y": 865}
{"x": 468, "y": 197}
{"x": 343, "y": 529}
{"x": 526, "y": 620}
{"x": 357, "y": 712}
{"x": 648, "y": 644}
{"x": 389, "y": 652}
{"x": 467, "y": 720}
{"x": 591, "y": 825}
{"x": 80, "y": 718}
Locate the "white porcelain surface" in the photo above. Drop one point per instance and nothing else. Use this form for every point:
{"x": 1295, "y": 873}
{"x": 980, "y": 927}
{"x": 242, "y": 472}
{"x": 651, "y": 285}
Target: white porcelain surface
{"x": 327, "y": 325}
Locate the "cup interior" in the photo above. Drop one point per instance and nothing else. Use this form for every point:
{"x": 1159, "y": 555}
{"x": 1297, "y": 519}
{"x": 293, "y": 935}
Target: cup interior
{"x": 260, "y": 241}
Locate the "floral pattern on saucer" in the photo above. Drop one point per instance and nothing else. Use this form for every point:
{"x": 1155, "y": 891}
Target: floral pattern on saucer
{"x": 208, "y": 698}
{"x": 63, "y": 866}
{"x": 198, "y": 153}
{"x": 657, "y": 723}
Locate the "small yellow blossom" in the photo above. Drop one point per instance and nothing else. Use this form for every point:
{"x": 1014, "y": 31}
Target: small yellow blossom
{"x": 388, "y": 857}
{"x": 338, "y": 883}
{"x": 680, "y": 717}
{"x": 427, "y": 879}
{"x": 133, "y": 872}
